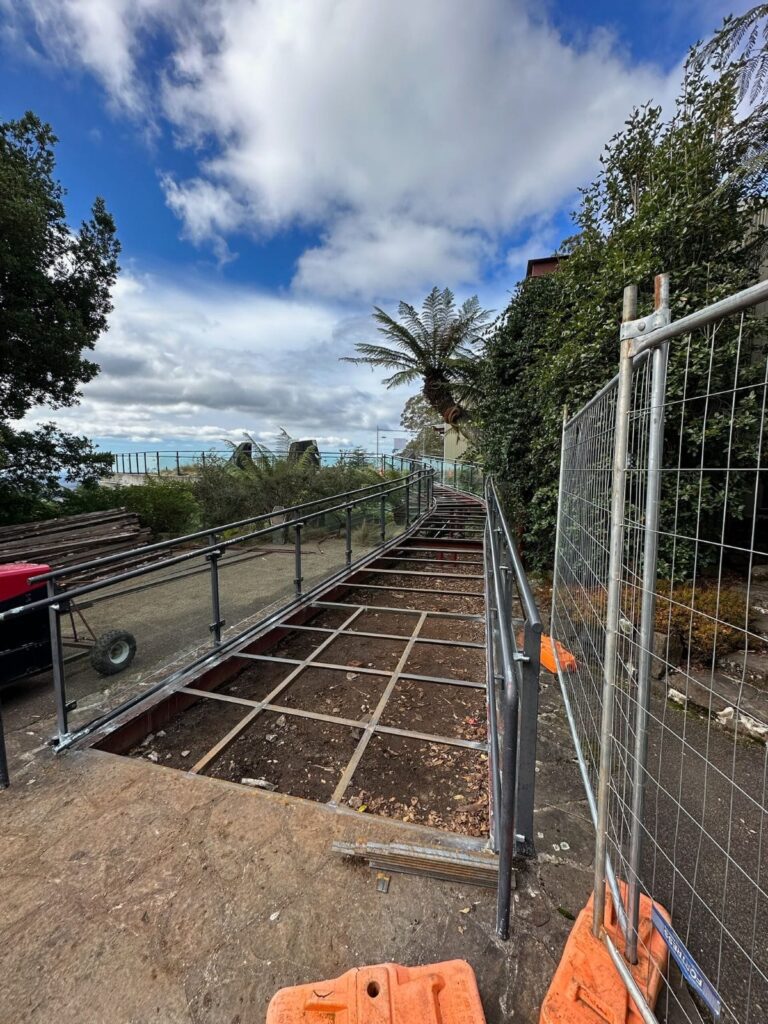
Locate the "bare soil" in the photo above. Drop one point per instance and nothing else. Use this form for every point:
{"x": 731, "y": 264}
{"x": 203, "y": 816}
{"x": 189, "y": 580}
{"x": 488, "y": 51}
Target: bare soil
{"x": 421, "y": 601}
{"x": 447, "y": 661}
{"x": 189, "y": 735}
{"x": 429, "y": 783}
{"x": 297, "y": 756}
{"x": 455, "y": 711}
{"x": 344, "y": 694}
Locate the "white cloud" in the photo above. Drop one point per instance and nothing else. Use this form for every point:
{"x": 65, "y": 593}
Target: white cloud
{"x": 206, "y": 362}
{"x": 363, "y": 257}
{"x": 412, "y": 135}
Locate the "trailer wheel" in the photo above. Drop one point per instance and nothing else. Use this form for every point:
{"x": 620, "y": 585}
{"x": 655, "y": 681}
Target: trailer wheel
{"x": 113, "y": 651}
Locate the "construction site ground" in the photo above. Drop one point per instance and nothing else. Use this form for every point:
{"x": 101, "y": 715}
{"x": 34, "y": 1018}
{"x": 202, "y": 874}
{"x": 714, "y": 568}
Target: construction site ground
{"x": 133, "y": 894}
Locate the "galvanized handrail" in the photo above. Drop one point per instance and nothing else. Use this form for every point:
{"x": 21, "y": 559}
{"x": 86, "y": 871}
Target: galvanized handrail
{"x": 513, "y": 687}
{"x": 384, "y": 487}
{"x": 58, "y": 600}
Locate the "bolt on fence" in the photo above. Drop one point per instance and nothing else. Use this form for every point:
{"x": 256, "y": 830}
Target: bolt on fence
{"x": 661, "y": 593}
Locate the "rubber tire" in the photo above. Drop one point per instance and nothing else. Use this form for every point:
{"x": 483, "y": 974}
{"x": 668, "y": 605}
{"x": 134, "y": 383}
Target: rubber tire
{"x": 101, "y": 658}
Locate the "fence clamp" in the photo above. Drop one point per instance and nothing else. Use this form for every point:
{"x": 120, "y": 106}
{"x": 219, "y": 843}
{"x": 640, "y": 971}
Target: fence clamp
{"x": 519, "y": 656}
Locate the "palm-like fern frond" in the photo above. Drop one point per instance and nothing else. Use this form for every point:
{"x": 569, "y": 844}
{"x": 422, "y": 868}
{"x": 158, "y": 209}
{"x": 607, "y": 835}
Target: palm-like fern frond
{"x": 743, "y": 38}
{"x": 434, "y": 344}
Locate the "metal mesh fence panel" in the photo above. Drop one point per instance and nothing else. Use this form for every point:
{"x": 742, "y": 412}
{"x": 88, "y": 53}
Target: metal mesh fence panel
{"x": 693, "y": 743}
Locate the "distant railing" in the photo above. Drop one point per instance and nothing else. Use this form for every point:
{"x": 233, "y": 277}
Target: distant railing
{"x": 456, "y": 473}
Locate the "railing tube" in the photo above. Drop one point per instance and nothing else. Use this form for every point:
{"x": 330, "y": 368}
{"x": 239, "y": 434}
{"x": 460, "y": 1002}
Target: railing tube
{"x": 213, "y": 559}
{"x": 298, "y": 578}
{"x": 349, "y": 534}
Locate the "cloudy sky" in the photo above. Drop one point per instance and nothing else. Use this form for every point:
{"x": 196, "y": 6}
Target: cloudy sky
{"x": 276, "y": 167}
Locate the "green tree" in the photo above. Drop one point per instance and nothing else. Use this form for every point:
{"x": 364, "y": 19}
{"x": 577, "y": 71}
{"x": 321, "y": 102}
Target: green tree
{"x": 420, "y": 419}
{"x": 55, "y": 287}
{"x": 679, "y": 196}
{"x": 435, "y": 346}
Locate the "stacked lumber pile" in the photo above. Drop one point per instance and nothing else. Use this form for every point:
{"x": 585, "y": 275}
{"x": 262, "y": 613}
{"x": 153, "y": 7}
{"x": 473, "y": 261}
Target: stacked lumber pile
{"x": 72, "y": 539}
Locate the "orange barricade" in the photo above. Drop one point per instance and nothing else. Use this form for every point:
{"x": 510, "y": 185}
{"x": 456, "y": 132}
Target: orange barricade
{"x": 444, "y": 993}
{"x": 587, "y": 988}
{"x": 567, "y": 660}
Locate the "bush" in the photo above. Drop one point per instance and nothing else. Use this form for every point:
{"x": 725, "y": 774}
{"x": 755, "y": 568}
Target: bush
{"x": 166, "y": 507}
{"x": 226, "y": 495}
{"x": 706, "y": 624}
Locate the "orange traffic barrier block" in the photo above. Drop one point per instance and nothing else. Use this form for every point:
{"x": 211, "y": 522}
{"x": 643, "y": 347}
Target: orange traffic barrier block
{"x": 587, "y": 988}
{"x": 548, "y": 647}
{"x": 444, "y": 993}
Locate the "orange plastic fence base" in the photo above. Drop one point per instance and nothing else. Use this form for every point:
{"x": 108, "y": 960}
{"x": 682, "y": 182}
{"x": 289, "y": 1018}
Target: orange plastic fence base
{"x": 567, "y": 660}
{"x": 587, "y": 988}
{"x": 443, "y": 993}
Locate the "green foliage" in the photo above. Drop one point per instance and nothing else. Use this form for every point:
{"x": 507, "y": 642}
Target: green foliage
{"x": 420, "y": 419}
{"x": 698, "y": 616}
{"x": 166, "y": 507}
{"x": 55, "y": 286}
{"x": 435, "y": 346}
{"x": 678, "y": 196}
{"x": 225, "y": 496}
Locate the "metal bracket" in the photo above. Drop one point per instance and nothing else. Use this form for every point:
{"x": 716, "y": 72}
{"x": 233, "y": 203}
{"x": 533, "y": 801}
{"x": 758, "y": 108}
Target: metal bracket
{"x": 635, "y": 331}
{"x": 519, "y": 656}
{"x": 217, "y": 625}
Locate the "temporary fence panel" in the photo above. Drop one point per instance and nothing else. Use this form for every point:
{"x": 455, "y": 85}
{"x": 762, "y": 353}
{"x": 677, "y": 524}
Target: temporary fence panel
{"x": 661, "y": 593}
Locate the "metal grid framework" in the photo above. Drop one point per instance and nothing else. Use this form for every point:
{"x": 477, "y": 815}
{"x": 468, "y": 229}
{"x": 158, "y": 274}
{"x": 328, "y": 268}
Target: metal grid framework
{"x": 661, "y": 573}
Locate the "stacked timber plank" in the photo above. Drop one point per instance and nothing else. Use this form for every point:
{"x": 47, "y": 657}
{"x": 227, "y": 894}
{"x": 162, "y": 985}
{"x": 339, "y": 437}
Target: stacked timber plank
{"x": 72, "y": 539}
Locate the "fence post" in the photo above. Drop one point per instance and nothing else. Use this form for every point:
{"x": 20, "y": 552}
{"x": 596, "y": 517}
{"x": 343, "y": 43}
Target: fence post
{"x": 57, "y": 663}
{"x": 202, "y": 456}
{"x": 407, "y": 504}
{"x": 349, "y": 534}
{"x": 298, "y": 578}
{"x": 616, "y": 549}
{"x": 157, "y": 461}
{"x": 418, "y": 497}
{"x": 647, "y": 613}
{"x": 383, "y": 518}
{"x": 178, "y": 466}
{"x": 218, "y": 622}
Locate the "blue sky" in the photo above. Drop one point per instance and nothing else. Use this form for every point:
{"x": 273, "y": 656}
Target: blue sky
{"x": 275, "y": 167}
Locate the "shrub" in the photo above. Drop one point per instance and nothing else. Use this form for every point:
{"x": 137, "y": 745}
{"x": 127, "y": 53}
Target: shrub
{"x": 166, "y": 507}
{"x": 706, "y": 624}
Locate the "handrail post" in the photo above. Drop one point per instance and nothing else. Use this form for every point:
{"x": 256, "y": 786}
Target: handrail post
{"x": 407, "y": 503}
{"x": 526, "y": 758}
{"x": 218, "y": 622}
{"x": 383, "y": 518}
{"x": 349, "y": 534}
{"x": 57, "y": 663}
{"x": 418, "y": 496}
{"x": 298, "y": 578}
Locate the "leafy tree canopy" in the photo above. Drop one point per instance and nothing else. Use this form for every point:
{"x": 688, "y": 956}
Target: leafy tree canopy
{"x": 420, "y": 419}
{"x": 679, "y": 196}
{"x": 55, "y": 287}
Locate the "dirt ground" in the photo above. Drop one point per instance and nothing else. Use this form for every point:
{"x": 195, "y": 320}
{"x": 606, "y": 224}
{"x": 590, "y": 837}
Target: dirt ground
{"x": 132, "y": 894}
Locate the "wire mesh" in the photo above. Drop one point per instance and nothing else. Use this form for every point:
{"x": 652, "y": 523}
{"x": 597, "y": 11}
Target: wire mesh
{"x": 703, "y": 827}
